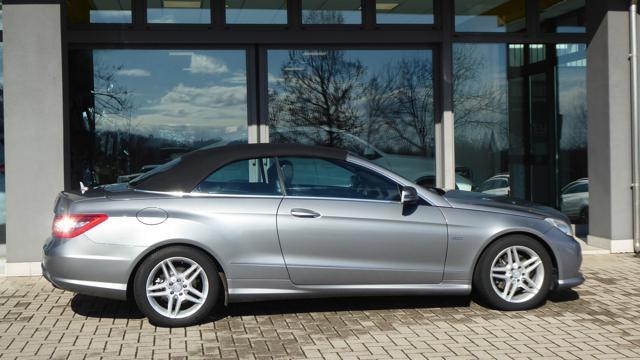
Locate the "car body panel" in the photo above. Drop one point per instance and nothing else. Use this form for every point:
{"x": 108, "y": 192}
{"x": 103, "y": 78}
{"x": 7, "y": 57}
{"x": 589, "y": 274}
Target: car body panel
{"x": 362, "y": 242}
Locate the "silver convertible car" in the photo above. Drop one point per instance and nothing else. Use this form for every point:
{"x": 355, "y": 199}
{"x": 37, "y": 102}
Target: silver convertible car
{"x": 258, "y": 222}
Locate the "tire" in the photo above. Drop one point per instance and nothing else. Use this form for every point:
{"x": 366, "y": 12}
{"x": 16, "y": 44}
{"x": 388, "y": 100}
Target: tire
{"x": 494, "y": 273}
{"x": 584, "y": 215}
{"x": 193, "y": 292}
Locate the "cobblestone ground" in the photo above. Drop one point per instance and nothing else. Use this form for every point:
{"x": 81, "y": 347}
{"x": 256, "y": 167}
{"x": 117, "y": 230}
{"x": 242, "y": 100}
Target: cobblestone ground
{"x": 601, "y": 319}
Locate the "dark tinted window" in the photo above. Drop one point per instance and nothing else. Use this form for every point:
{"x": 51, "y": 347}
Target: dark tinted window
{"x": 405, "y": 12}
{"x": 562, "y": 16}
{"x": 99, "y": 11}
{"x": 244, "y": 177}
{"x": 579, "y": 188}
{"x": 490, "y": 15}
{"x": 179, "y": 11}
{"x": 256, "y": 11}
{"x": 331, "y": 12}
{"x": 317, "y": 177}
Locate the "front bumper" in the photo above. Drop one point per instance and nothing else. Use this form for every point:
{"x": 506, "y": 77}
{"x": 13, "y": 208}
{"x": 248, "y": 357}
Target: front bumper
{"x": 82, "y": 266}
{"x": 569, "y": 283}
{"x": 568, "y": 256}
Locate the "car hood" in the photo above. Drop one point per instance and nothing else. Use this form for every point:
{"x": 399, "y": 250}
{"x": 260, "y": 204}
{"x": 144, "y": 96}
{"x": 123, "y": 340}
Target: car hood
{"x": 502, "y": 204}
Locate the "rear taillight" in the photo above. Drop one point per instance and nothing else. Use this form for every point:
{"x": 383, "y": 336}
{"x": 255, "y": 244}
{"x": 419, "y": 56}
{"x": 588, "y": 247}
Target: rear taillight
{"x": 70, "y": 226}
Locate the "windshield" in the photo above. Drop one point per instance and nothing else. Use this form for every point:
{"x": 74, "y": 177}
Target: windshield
{"x": 157, "y": 170}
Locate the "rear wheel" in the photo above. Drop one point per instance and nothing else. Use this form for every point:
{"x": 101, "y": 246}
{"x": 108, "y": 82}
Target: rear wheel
{"x": 584, "y": 215}
{"x": 176, "y": 286}
{"x": 514, "y": 273}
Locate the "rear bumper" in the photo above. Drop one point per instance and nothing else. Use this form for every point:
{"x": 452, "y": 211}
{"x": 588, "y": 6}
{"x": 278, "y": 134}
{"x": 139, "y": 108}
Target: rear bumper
{"x": 82, "y": 266}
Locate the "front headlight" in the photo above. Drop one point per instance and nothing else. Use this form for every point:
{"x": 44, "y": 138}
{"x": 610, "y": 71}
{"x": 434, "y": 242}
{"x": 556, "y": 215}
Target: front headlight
{"x": 560, "y": 225}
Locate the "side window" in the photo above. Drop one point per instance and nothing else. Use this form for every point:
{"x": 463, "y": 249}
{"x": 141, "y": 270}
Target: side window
{"x": 318, "y": 177}
{"x": 244, "y": 177}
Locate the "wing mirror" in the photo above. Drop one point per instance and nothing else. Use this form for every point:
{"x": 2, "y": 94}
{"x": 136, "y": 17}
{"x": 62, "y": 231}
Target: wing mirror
{"x": 409, "y": 195}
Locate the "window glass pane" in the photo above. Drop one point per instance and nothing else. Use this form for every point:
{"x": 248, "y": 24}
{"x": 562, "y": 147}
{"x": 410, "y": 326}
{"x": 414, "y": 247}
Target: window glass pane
{"x": 375, "y": 103}
{"x": 331, "y": 12}
{"x": 245, "y": 177}
{"x": 490, "y": 15}
{"x": 256, "y": 11}
{"x": 562, "y": 16}
{"x": 335, "y": 179}
{"x": 520, "y": 121}
{"x": 132, "y": 110}
{"x": 99, "y": 11}
{"x": 404, "y": 12}
{"x": 179, "y": 11}
{"x": 572, "y": 124}
{"x": 1, "y": 22}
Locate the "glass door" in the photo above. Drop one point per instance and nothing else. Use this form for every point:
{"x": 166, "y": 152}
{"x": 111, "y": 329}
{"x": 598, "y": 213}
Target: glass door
{"x": 533, "y": 131}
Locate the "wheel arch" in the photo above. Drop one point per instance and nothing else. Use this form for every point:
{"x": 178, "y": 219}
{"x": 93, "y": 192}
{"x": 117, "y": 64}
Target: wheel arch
{"x": 498, "y": 237}
{"x": 170, "y": 243}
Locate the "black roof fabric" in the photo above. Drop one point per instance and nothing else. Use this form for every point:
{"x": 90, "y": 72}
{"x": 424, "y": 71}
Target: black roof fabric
{"x": 195, "y": 166}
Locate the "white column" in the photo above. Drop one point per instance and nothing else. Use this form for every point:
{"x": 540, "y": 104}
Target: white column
{"x": 34, "y": 131}
{"x": 609, "y": 132}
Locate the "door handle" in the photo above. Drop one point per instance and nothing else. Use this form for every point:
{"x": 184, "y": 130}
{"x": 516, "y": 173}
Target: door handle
{"x": 304, "y": 213}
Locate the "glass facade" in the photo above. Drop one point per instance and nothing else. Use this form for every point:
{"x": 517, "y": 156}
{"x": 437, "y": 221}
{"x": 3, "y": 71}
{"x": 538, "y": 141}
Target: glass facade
{"x": 179, "y": 11}
{"x": 331, "y": 12}
{"x": 378, "y": 104}
{"x": 490, "y": 15}
{"x": 132, "y": 110}
{"x": 256, "y": 11}
{"x": 99, "y": 11}
{"x": 520, "y": 119}
{"x": 405, "y": 12}
{"x": 519, "y": 106}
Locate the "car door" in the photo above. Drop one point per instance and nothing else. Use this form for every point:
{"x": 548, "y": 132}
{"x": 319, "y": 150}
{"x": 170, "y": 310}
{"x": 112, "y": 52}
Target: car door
{"x": 237, "y": 205}
{"x": 343, "y": 224}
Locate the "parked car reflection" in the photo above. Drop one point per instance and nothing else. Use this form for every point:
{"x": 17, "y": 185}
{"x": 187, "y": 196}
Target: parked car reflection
{"x": 574, "y": 200}
{"x": 496, "y": 185}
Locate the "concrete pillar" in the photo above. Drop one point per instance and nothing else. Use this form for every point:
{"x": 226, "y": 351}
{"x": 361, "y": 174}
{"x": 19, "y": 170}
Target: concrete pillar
{"x": 609, "y": 128}
{"x": 34, "y": 129}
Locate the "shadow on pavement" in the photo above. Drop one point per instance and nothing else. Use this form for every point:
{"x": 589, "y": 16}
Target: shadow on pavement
{"x": 563, "y": 296}
{"x": 105, "y": 308}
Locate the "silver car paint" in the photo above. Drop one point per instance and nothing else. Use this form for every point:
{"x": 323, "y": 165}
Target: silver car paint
{"x": 241, "y": 234}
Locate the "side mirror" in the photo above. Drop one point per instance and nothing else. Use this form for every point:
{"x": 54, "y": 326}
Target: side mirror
{"x": 409, "y": 195}
{"x": 371, "y": 154}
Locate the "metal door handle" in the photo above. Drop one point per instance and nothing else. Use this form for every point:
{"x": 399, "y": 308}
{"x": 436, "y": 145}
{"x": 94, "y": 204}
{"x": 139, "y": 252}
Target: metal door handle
{"x": 304, "y": 213}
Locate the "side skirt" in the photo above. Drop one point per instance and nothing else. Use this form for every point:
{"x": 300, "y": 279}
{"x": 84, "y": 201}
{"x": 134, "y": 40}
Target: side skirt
{"x": 244, "y": 290}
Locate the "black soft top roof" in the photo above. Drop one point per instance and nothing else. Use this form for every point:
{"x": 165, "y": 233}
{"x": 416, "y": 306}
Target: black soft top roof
{"x": 195, "y": 166}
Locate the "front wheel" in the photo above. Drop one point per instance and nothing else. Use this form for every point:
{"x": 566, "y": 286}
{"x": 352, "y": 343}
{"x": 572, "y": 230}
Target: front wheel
{"x": 514, "y": 273}
{"x": 176, "y": 286}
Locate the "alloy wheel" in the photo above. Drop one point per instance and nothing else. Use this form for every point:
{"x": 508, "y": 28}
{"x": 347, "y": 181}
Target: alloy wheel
{"x": 517, "y": 274}
{"x": 177, "y": 287}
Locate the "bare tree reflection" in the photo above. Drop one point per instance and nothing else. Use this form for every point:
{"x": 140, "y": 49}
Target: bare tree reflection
{"x": 319, "y": 89}
{"x": 400, "y": 99}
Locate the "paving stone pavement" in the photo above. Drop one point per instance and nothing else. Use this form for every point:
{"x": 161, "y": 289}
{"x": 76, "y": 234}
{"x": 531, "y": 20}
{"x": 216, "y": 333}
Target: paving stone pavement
{"x": 599, "y": 320}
